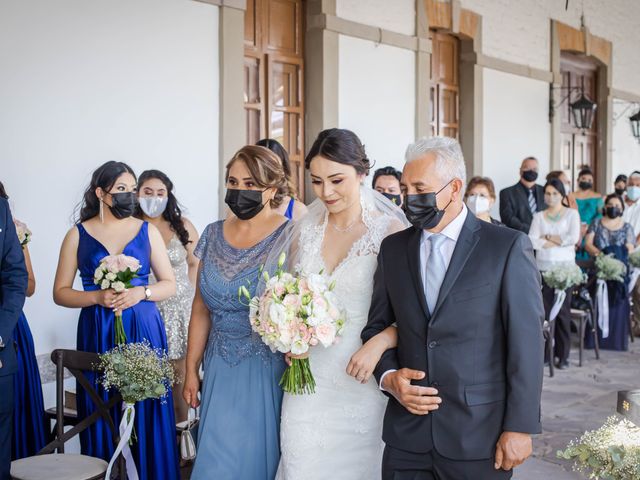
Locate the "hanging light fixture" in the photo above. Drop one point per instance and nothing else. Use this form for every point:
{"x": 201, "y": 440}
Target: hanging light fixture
{"x": 635, "y": 125}
{"x": 583, "y": 110}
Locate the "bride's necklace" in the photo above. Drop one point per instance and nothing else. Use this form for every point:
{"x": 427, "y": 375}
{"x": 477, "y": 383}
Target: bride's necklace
{"x": 344, "y": 229}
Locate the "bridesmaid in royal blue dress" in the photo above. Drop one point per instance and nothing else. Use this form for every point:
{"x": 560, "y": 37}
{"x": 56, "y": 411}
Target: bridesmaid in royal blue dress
{"x": 28, "y": 415}
{"x": 238, "y": 435}
{"x": 107, "y": 227}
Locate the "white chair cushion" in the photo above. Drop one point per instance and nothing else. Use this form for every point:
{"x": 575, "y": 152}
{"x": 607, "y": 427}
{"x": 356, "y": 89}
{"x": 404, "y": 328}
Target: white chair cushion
{"x": 58, "y": 467}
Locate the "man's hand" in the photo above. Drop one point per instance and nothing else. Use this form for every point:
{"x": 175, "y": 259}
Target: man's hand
{"x": 418, "y": 400}
{"x": 512, "y": 449}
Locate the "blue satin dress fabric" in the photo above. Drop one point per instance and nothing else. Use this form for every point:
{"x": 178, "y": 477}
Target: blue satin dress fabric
{"x": 238, "y": 435}
{"x": 155, "y": 450}
{"x": 29, "y": 434}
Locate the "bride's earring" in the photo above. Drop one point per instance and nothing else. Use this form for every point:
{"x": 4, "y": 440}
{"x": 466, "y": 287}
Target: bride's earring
{"x": 101, "y": 211}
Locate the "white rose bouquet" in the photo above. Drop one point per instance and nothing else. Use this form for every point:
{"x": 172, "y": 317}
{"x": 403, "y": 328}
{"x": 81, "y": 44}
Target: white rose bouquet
{"x": 116, "y": 272}
{"x": 24, "y": 234}
{"x": 294, "y": 314}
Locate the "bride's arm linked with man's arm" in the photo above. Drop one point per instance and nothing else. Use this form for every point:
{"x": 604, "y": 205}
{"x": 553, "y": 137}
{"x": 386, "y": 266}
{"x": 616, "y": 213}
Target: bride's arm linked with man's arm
{"x": 392, "y": 379}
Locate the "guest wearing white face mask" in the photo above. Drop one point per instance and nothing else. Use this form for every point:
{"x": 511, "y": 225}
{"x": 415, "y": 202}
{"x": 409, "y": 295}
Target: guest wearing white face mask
{"x": 480, "y": 196}
{"x": 554, "y": 233}
{"x": 159, "y": 207}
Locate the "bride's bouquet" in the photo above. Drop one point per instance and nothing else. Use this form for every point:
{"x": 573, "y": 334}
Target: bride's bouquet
{"x": 293, "y": 314}
{"x": 116, "y": 272}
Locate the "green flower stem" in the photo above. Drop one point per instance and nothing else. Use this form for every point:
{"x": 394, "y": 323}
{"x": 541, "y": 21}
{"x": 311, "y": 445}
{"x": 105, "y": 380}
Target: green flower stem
{"x": 298, "y": 379}
{"x": 120, "y": 336}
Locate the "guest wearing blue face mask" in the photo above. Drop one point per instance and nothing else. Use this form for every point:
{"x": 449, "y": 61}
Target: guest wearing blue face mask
{"x": 159, "y": 207}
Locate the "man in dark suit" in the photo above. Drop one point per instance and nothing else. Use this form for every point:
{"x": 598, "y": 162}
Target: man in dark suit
{"x": 465, "y": 379}
{"x": 519, "y": 202}
{"x": 13, "y": 286}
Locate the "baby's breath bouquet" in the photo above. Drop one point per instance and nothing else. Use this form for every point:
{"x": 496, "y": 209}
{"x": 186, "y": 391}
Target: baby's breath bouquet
{"x": 634, "y": 259}
{"x": 138, "y": 371}
{"x": 564, "y": 277}
{"x": 610, "y": 452}
{"x": 609, "y": 268}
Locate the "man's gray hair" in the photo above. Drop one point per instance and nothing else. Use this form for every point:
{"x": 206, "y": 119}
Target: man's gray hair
{"x": 449, "y": 158}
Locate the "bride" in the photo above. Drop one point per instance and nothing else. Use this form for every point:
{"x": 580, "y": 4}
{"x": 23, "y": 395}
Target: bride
{"x": 337, "y": 431}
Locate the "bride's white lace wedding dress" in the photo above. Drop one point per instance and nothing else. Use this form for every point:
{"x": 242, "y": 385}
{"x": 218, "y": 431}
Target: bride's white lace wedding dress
{"x": 337, "y": 432}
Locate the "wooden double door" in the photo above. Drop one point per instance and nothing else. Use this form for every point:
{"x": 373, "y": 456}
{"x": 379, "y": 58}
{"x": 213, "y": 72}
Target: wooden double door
{"x": 578, "y": 147}
{"x": 445, "y": 85}
{"x": 274, "y": 77}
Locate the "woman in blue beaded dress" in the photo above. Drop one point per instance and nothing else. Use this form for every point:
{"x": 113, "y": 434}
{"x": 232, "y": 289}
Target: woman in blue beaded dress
{"x": 107, "y": 227}
{"x": 238, "y": 436}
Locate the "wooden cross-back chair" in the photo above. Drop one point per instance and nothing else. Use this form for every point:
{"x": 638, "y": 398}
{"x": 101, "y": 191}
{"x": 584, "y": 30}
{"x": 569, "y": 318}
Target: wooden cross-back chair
{"x": 52, "y": 462}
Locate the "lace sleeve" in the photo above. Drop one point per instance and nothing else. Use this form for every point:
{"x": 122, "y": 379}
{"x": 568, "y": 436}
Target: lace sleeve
{"x": 201, "y": 249}
{"x": 631, "y": 237}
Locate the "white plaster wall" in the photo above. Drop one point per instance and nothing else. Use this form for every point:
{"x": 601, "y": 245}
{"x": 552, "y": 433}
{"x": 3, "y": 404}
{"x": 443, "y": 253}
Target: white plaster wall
{"x": 625, "y": 155}
{"x": 85, "y": 82}
{"x": 393, "y": 15}
{"x": 516, "y": 125}
{"x": 521, "y": 31}
{"x": 377, "y": 98}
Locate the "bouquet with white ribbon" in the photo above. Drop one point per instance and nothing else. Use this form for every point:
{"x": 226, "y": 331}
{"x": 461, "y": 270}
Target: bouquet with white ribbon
{"x": 561, "y": 278}
{"x": 138, "y": 371}
{"x": 116, "y": 272}
{"x": 293, "y": 314}
{"x": 608, "y": 269}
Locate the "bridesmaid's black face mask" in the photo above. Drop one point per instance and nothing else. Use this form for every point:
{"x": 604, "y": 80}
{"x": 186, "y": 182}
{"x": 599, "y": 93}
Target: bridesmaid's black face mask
{"x": 123, "y": 204}
{"x": 245, "y": 204}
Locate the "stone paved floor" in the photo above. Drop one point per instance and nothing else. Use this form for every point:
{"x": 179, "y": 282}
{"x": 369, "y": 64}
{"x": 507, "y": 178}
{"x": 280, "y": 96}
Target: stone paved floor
{"x": 574, "y": 400}
{"x": 577, "y": 399}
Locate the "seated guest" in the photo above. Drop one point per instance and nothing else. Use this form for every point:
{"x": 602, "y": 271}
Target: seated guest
{"x": 292, "y": 209}
{"x": 560, "y": 175}
{"x": 480, "y": 197}
{"x": 612, "y": 235}
{"x": 520, "y": 202}
{"x": 554, "y": 233}
{"x": 387, "y": 181}
{"x": 590, "y": 205}
{"x": 620, "y": 188}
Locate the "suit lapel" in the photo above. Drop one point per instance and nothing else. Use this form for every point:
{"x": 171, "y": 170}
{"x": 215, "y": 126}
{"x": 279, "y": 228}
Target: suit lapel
{"x": 415, "y": 265}
{"x": 464, "y": 246}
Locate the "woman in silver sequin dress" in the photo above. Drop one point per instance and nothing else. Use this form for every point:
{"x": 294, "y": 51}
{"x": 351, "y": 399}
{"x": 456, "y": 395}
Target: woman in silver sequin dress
{"x": 160, "y": 207}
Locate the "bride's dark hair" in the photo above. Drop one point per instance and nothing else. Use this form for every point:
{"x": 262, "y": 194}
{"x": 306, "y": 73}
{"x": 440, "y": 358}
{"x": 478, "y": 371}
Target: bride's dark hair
{"x": 105, "y": 177}
{"x": 341, "y": 146}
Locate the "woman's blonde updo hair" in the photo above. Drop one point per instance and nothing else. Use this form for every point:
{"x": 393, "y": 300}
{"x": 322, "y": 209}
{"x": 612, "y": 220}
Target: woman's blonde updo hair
{"x": 266, "y": 170}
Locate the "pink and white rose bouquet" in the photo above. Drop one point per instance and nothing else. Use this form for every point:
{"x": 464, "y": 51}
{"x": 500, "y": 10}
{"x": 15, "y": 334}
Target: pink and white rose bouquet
{"x": 24, "y": 234}
{"x": 293, "y": 314}
{"x": 116, "y": 272}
